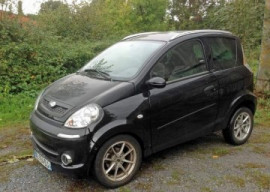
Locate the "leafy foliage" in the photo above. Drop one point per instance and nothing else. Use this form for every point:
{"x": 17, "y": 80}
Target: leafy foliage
{"x": 62, "y": 38}
{"x": 32, "y": 61}
{"x": 242, "y": 17}
{"x": 51, "y": 5}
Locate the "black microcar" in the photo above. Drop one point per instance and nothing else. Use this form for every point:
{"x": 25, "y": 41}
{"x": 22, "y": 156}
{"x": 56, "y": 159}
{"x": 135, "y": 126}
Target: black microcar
{"x": 148, "y": 92}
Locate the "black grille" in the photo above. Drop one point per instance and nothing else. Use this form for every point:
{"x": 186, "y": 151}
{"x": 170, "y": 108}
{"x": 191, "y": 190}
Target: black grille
{"x": 57, "y": 109}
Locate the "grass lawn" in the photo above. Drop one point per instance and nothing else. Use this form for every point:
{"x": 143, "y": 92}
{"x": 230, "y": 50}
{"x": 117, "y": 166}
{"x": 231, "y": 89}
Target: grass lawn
{"x": 15, "y": 109}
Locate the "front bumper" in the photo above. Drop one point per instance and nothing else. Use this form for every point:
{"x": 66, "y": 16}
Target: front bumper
{"x": 46, "y": 141}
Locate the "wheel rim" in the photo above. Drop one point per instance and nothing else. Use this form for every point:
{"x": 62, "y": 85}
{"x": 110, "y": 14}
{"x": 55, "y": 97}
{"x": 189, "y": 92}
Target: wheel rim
{"x": 242, "y": 126}
{"x": 119, "y": 161}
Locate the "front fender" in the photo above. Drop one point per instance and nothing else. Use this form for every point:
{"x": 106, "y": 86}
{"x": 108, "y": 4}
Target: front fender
{"x": 114, "y": 128}
{"x": 122, "y": 117}
{"x": 119, "y": 127}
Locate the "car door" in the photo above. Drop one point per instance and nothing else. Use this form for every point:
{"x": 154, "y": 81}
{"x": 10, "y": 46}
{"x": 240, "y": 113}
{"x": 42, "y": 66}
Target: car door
{"x": 232, "y": 75}
{"x": 186, "y": 107}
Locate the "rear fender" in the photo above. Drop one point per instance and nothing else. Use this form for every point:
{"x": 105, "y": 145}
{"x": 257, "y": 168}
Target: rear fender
{"x": 245, "y": 98}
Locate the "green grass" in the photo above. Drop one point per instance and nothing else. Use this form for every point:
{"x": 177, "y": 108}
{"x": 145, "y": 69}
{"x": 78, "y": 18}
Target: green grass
{"x": 260, "y": 149}
{"x": 262, "y": 115}
{"x": 6, "y": 170}
{"x": 221, "y": 151}
{"x": 158, "y": 166}
{"x": 262, "y": 180}
{"x": 236, "y": 180}
{"x": 175, "y": 177}
{"x": 17, "y": 142}
{"x": 15, "y": 109}
{"x": 144, "y": 186}
{"x": 206, "y": 189}
{"x": 261, "y": 139}
{"x": 215, "y": 151}
{"x": 250, "y": 165}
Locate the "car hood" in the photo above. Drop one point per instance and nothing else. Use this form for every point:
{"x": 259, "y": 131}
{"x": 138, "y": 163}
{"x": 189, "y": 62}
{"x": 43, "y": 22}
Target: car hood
{"x": 77, "y": 90}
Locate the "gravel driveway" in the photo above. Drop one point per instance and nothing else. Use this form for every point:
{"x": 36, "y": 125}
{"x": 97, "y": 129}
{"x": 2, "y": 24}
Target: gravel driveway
{"x": 206, "y": 164}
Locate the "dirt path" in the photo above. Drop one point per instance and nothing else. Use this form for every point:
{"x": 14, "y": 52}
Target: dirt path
{"x": 206, "y": 164}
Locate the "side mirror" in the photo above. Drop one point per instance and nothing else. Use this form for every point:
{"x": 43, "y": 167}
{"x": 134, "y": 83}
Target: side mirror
{"x": 156, "y": 82}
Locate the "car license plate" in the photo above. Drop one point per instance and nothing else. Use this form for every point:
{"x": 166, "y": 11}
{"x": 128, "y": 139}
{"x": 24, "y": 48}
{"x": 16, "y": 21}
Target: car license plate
{"x": 43, "y": 161}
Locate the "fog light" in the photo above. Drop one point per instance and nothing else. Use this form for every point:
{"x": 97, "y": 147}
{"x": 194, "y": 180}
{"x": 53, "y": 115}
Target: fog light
{"x": 66, "y": 159}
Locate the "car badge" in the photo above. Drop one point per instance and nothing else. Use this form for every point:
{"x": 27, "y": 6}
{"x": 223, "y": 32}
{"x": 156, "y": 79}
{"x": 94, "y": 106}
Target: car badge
{"x": 140, "y": 116}
{"x": 52, "y": 103}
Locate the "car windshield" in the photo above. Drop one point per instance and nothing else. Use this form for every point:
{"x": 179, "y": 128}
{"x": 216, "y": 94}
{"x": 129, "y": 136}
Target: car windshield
{"x": 123, "y": 60}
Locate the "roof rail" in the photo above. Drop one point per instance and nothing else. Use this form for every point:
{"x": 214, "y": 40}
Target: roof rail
{"x": 138, "y": 34}
{"x": 198, "y": 31}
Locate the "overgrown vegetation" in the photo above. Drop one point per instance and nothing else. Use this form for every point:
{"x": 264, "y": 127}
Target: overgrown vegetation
{"x": 31, "y": 59}
{"x": 36, "y": 50}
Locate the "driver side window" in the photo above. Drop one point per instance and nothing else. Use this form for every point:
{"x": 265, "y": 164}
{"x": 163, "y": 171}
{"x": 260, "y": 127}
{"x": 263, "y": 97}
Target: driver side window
{"x": 182, "y": 60}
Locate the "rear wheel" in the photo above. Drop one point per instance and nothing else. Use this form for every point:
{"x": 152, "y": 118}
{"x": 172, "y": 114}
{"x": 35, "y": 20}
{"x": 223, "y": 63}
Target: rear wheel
{"x": 240, "y": 127}
{"x": 117, "y": 161}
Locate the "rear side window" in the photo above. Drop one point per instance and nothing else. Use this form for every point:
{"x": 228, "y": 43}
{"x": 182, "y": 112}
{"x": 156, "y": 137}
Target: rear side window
{"x": 223, "y": 52}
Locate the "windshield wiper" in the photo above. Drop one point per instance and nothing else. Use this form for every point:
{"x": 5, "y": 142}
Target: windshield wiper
{"x": 101, "y": 73}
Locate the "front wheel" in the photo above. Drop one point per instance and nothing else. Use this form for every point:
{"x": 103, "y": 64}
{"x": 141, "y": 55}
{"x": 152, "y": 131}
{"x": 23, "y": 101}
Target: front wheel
{"x": 117, "y": 161}
{"x": 240, "y": 127}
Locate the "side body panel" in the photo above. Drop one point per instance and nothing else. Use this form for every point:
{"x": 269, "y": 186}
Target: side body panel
{"x": 183, "y": 111}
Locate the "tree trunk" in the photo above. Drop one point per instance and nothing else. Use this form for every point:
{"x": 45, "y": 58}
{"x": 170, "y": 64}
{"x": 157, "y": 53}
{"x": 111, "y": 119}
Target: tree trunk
{"x": 263, "y": 77}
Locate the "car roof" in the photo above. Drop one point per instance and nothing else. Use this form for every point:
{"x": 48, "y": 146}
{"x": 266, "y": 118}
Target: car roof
{"x": 172, "y": 35}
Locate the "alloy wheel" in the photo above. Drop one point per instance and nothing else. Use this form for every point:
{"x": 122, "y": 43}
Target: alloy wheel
{"x": 119, "y": 161}
{"x": 242, "y": 126}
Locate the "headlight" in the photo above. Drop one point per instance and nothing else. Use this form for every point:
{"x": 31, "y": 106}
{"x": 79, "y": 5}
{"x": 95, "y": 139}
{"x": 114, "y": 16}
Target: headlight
{"x": 84, "y": 117}
{"x": 37, "y": 101}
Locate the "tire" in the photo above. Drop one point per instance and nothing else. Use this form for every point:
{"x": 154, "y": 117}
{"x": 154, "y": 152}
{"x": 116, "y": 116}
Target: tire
{"x": 240, "y": 127}
{"x": 120, "y": 153}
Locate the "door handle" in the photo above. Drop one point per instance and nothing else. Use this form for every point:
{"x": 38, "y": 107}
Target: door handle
{"x": 210, "y": 89}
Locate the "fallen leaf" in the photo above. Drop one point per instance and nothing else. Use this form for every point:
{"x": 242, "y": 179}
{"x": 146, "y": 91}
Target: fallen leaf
{"x": 215, "y": 157}
{"x": 13, "y": 160}
{"x": 30, "y": 159}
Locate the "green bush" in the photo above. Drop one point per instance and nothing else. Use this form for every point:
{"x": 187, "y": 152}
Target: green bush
{"x": 28, "y": 65}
